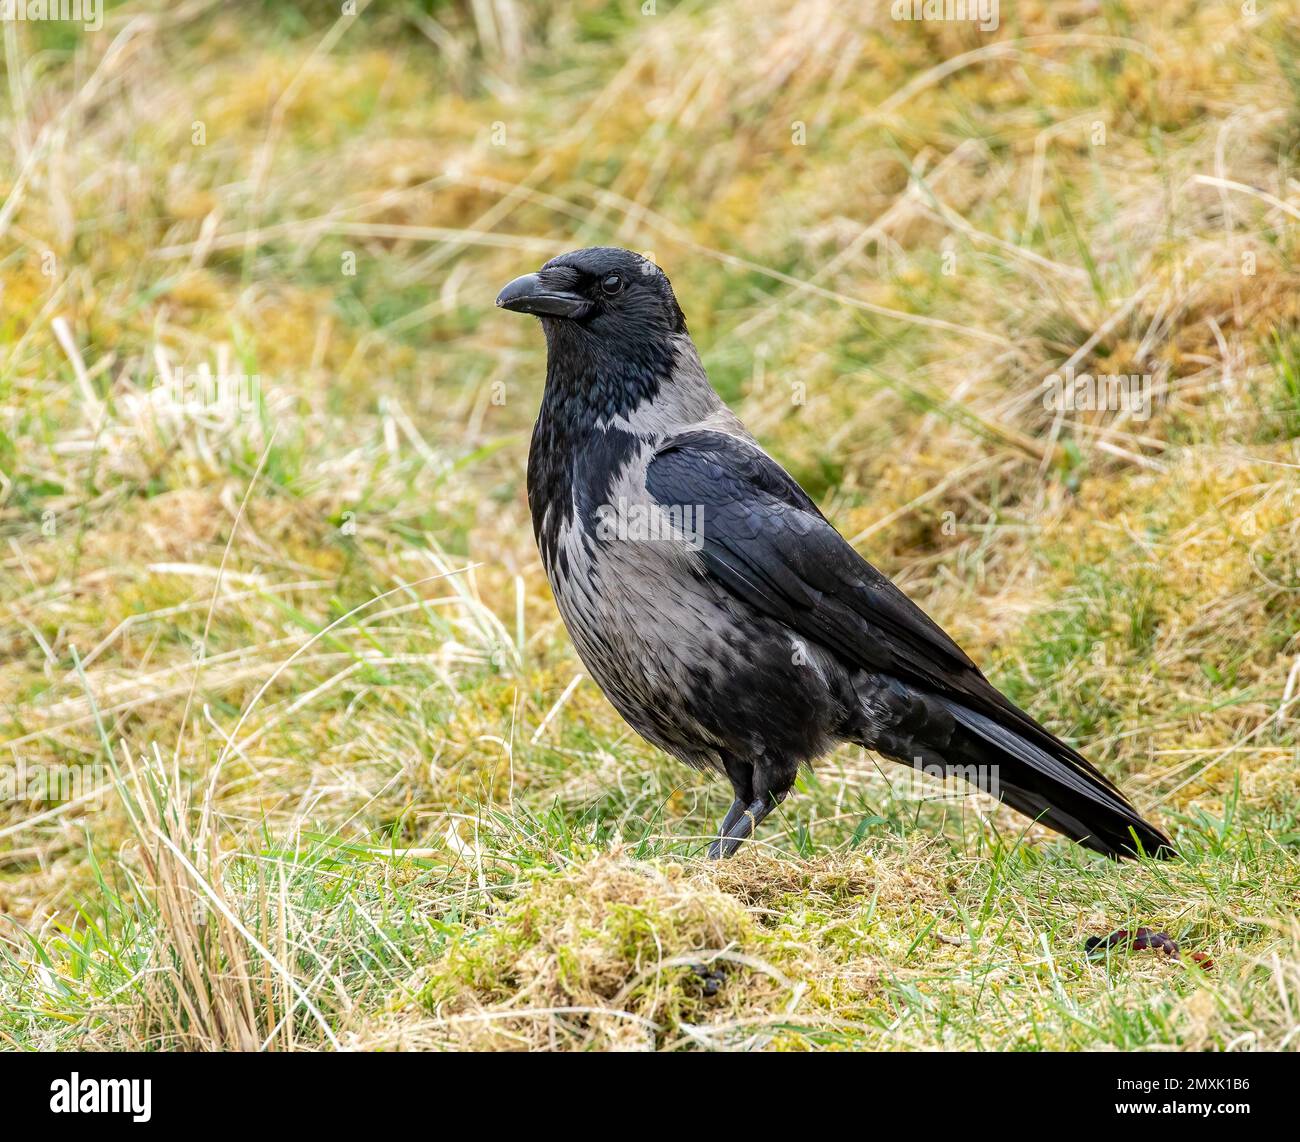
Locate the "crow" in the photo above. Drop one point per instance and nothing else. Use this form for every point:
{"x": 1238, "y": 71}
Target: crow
{"x": 720, "y": 612}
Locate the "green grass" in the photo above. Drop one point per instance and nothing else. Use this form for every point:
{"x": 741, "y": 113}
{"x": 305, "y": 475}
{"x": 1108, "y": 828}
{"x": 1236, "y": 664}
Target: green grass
{"x": 353, "y": 791}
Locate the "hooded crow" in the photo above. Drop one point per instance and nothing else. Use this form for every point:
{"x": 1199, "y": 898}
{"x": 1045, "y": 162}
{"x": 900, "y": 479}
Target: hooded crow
{"x": 718, "y": 609}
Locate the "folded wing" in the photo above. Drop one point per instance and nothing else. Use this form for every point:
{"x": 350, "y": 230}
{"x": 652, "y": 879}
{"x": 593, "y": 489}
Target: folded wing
{"x": 766, "y": 543}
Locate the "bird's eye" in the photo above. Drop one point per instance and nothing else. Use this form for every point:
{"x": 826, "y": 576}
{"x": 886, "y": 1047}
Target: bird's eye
{"x": 611, "y": 283}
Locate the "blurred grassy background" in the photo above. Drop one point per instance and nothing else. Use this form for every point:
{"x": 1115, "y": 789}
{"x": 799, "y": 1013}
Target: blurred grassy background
{"x": 326, "y": 820}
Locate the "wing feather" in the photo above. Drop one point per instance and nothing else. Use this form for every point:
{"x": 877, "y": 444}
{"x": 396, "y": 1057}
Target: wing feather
{"x": 766, "y": 543}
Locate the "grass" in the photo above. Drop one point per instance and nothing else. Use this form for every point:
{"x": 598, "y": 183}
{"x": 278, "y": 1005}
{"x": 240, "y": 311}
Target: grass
{"x": 339, "y": 780}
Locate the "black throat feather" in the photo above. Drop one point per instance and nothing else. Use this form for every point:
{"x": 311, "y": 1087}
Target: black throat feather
{"x": 593, "y": 378}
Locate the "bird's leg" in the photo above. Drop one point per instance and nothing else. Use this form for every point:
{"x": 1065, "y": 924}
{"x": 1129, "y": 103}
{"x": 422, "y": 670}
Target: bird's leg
{"x": 733, "y": 815}
{"x": 742, "y": 827}
{"x": 751, "y": 816}
{"x": 740, "y": 772}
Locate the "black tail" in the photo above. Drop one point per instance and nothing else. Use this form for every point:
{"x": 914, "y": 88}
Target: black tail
{"x": 1043, "y": 778}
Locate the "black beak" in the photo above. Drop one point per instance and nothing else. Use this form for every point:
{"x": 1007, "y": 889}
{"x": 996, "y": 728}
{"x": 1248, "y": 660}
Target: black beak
{"x": 530, "y": 294}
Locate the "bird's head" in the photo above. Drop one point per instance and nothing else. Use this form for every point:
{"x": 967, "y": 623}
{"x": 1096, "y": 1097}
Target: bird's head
{"x": 604, "y": 293}
{"x": 615, "y": 338}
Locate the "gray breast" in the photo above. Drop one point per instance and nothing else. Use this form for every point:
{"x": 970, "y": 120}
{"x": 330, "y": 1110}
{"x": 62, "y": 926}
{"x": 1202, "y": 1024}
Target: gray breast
{"x": 644, "y": 622}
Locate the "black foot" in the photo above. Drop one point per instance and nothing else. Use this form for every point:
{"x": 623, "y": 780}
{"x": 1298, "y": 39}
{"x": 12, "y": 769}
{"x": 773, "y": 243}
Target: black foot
{"x": 738, "y": 826}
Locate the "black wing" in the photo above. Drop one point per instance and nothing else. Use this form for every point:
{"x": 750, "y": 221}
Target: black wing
{"x": 765, "y": 541}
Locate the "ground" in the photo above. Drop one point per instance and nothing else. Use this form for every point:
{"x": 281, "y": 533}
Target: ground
{"x": 298, "y": 754}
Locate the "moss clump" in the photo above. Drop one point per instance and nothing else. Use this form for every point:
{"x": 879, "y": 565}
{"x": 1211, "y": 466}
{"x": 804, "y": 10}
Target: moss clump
{"x": 613, "y": 952}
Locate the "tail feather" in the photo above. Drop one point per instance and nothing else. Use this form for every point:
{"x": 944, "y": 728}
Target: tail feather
{"x": 1051, "y": 783}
